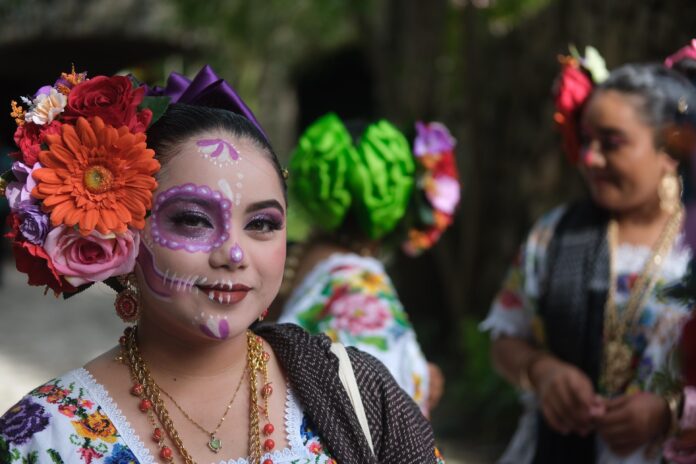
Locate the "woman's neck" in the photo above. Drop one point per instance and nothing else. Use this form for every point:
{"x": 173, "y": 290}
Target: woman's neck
{"x": 174, "y": 356}
{"x": 642, "y": 225}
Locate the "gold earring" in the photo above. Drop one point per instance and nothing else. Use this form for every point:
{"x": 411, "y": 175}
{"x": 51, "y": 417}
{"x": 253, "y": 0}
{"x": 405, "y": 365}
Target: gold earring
{"x": 669, "y": 192}
{"x": 127, "y": 303}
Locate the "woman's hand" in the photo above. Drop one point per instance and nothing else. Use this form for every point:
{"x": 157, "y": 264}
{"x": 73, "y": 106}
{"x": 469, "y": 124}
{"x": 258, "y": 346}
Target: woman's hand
{"x": 633, "y": 420}
{"x": 566, "y": 395}
{"x": 436, "y": 386}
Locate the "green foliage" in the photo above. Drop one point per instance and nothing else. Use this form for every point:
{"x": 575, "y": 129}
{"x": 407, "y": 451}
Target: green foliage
{"x": 158, "y": 105}
{"x": 55, "y": 457}
{"x": 474, "y": 389}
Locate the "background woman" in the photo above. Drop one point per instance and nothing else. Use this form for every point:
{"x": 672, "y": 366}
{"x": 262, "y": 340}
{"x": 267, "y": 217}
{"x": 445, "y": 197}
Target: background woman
{"x": 581, "y": 323}
{"x": 364, "y": 192}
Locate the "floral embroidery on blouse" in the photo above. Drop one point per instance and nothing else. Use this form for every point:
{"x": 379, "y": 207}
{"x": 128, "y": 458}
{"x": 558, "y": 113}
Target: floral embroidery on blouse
{"x": 73, "y": 419}
{"x": 351, "y": 299}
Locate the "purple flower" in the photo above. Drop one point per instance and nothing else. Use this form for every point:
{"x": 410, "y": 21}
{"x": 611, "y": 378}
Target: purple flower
{"x": 45, "y": 90}
{"x": 22, "y": 421}
{"x": 34, "y": 222}
{"x": 20, "y": 191}
{"x": 432, "y": 138}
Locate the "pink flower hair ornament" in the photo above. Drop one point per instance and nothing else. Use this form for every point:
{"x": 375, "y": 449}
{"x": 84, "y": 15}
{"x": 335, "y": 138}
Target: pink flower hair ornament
{"x": 575, "y": 84}
{"x": 438, "y": 188}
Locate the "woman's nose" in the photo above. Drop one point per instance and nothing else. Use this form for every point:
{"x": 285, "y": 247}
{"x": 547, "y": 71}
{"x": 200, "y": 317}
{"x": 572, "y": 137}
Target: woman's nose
{"x": 591, "y": 156}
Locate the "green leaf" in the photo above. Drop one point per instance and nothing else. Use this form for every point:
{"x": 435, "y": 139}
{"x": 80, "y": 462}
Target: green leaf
{"x": 309, "y": 320}
{"x": 158, "y": 105}
{"x": 379, "y": 342}
{"x": 5, "y": 454}
{"x": 32, "y": 458}
{"x": 55, "y": 457}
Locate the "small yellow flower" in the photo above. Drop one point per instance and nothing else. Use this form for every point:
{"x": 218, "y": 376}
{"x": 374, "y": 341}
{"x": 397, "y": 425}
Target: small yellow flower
{"x": 371, "y": 282}
{"x": 96, "y": 426}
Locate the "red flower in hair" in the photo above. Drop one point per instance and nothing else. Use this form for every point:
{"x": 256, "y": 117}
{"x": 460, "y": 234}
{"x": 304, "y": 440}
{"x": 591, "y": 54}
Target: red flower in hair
{"x": 30, "y": 136}
{"x": 113, "y": 99}
{"x": 572, "y": 91}
{"x": 32, "y": 260}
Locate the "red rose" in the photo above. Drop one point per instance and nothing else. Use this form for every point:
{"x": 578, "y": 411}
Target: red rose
{"x": 32, "y": 260}
{"x": 574, "y": 86}
{"x": 30, "y": 136}
{"x": 447, "y": 165}
{"x": 572, "y": 91}
{"x": 111, "y": 98}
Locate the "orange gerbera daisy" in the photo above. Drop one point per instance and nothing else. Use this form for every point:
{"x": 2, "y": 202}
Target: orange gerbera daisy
{"x": 96, "y": 176}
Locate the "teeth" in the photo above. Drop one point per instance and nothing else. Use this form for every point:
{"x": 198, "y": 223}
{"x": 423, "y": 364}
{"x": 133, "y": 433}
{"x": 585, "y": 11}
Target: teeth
{"x": 211, "y": 296}
{"x": 202, "y": 280}
{"x": 166, "y": 275}
{"x": 228, "y": 299}
{"x": 220, "y": 299}
{"x": 197, "y": 291}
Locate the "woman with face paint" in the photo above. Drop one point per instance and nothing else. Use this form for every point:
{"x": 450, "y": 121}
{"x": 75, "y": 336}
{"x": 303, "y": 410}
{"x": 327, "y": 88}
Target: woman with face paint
{"x": 582, "y": 324}
{"x": 190, "y": 381}
{"x": 367, "y": 192}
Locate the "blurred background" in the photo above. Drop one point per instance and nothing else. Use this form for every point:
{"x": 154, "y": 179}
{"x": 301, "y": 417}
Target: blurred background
{"x": 483, "y": 67}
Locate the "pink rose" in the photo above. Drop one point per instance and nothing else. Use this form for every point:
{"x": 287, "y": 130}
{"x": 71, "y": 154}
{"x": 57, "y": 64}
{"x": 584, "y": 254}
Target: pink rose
{"x": 444, "y": 194}
{"x": 93, "y": 258}
{"x": 356, "y": 313}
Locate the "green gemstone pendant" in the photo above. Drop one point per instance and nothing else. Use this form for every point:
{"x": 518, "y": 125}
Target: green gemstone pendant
{"x": 214, "y": 444}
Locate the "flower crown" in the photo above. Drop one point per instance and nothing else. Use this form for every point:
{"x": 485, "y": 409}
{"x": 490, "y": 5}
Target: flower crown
{"x": 380, "y": 179}
{"x": 439, "y": 187}
{"x": 82, "y": 181}
{"x": 578, "y": 77}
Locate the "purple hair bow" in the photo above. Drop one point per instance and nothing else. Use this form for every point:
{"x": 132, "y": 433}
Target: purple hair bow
{"x": 206, "y": 89}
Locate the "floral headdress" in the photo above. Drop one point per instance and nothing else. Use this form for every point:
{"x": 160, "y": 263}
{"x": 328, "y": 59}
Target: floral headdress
{"x": 380, "y": 180}
{"x": 439, "y": 188}
{"x": 82, "y": 181}
{"x": 578, "y": 77}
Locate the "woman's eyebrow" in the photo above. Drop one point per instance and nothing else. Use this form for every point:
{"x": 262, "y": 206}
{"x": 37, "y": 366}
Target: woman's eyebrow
{"x": 265, "y": 204}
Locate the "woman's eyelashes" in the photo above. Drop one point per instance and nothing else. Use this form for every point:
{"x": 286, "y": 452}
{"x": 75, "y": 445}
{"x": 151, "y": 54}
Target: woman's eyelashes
{"x": 191, "y": 219}
{"x": 264, "y": 223}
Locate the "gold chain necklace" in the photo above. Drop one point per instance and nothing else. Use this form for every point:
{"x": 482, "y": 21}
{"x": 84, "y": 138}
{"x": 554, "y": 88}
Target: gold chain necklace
{"x": 214, "y": 443}
{"x": 617, "y": 362}
{"x": 151, "y": 403}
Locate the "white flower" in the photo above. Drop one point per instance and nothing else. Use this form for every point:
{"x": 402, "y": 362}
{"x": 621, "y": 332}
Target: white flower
{"x": 595, "y": 64}
{"x": 46, "y": 107}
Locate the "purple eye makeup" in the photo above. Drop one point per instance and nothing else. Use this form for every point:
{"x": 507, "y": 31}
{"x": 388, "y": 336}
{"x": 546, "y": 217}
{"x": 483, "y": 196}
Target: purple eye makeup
{"x": 191, "y": 217}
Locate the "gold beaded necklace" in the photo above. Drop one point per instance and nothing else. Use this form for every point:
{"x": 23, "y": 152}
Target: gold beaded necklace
{"x": 617, "y": 362}
{"x": 151, "y": 403}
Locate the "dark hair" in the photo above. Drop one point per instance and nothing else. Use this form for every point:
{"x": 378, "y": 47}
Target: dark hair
{"x": 663, "y": 93}
{"x": 182, "y": 121}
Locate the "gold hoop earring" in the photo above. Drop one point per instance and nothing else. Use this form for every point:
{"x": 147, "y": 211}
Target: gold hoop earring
{"x": 669, "y": 192}
{"x": 127, "y": 302}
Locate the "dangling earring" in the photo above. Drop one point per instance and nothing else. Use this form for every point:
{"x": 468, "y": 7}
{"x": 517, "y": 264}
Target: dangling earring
{"x": 127, "y": 303}
{"x": 263, "y": 315}
{"x": 669, "y": 192}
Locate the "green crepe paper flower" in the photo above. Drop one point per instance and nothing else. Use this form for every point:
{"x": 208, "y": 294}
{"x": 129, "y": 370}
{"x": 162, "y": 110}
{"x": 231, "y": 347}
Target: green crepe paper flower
{"x": 319, "y": 171}
{"x": 381, "y": 179}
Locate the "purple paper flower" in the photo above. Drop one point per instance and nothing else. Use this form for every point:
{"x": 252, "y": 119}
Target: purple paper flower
{"x": 34, "y": 222}
{"x": 22, "y": 421}
{"x": 432, "y": 138}
{"x": 20, "y": 191}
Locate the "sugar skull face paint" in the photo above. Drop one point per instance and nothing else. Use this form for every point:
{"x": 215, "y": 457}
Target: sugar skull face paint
{"x": 190, "y": 284}
{"x": 190, "y": 217}
{"x": 219, "y": 151}
{"x": 236, "y": 254}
